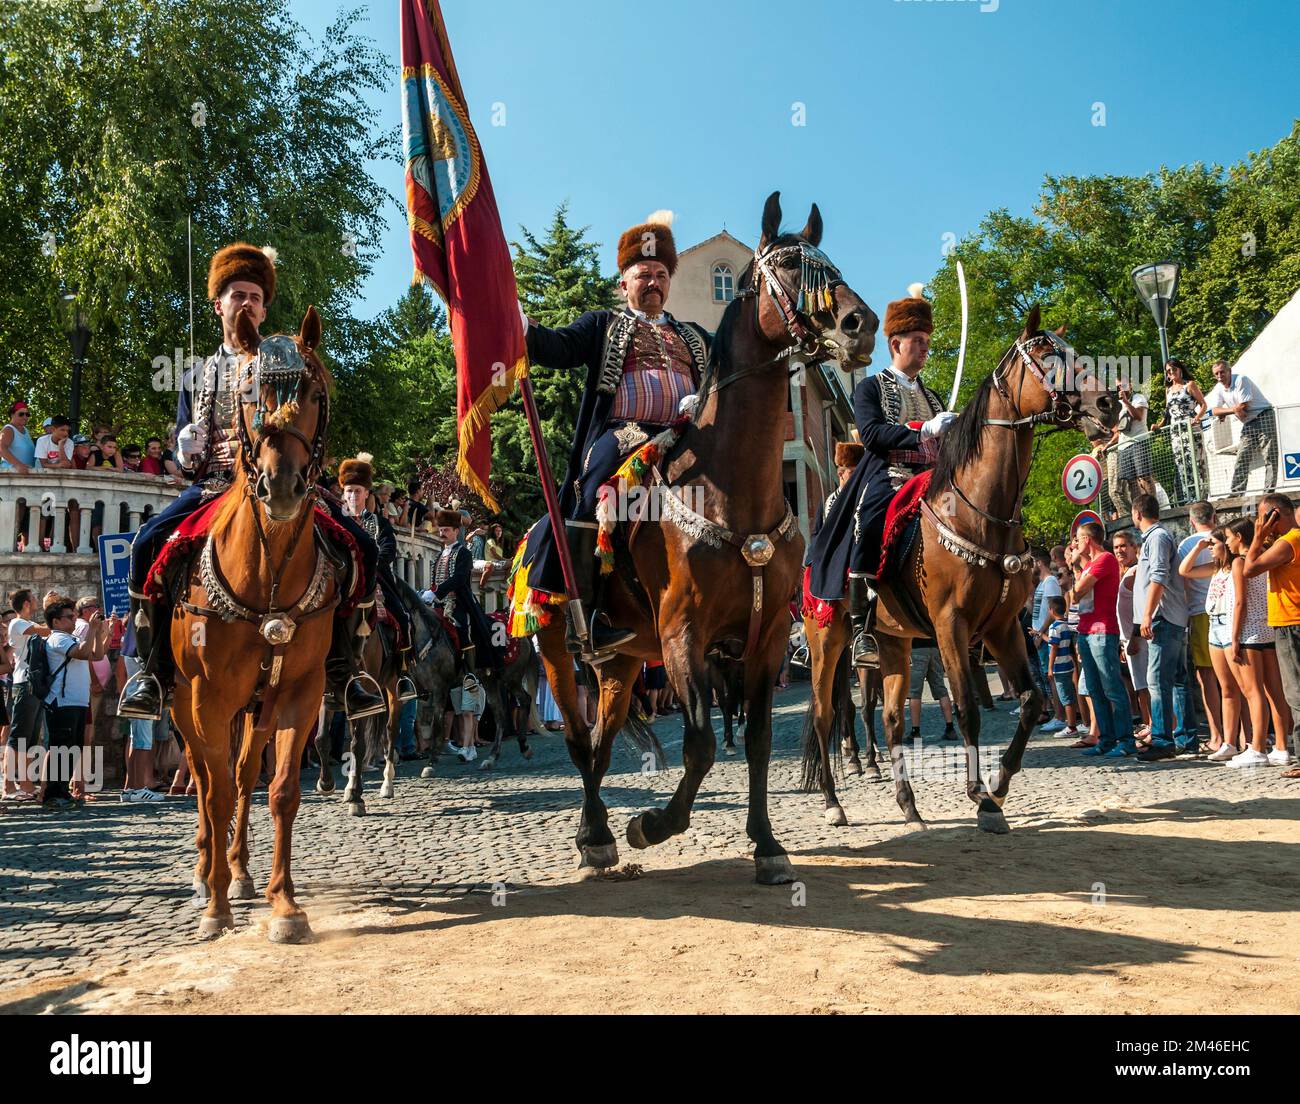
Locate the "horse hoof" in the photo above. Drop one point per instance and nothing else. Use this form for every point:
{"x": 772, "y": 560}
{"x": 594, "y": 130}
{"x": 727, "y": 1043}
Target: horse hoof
{"x": 325, "y": 787}
{"x": 873, "y": 774}
{"x": 212, "y": 926}
{"x": 427, "y": 772}
{"x": 386, "y": 790}
{"x": 288, "y": 929}
{"x": 528, "y": 753}
{"x": 599, "y": 857}
{"x": 917, "y": 825}
{"x": 241, "y": 889}
{"x": 854, "y": 767}
{"x": 730, "y": 749}
{"x": 835, "y": 816}
{"x": 487, "y": 764}
{"x": 992, "y": 820}
{"x": 634, "y": 834}
{"x": 356, "y": 808}
{"x": 773, "y": 870}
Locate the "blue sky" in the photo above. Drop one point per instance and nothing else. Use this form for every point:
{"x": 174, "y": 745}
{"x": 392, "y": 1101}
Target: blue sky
{"x": 920, "y": 115}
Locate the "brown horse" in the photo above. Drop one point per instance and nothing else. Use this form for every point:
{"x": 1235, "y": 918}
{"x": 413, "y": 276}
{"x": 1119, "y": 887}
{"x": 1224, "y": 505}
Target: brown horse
{"x": 968, "y": 571}
{"x": 690, "y": 584}
{"x": 255, "y": 624}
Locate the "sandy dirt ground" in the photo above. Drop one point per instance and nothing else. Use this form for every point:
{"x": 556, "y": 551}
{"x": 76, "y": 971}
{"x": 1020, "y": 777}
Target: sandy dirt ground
{"x": 1198, "y": 912}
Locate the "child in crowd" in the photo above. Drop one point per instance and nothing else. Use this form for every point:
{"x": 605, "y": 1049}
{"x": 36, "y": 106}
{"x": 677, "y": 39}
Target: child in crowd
{"x": 1060, "y": 661}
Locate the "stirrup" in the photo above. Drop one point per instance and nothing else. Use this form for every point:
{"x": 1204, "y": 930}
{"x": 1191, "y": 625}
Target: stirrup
{"x": 470, "y": 684}
{"x": 866, "y": 650}
{"x": 139, "y": 712}
{"x": 379, "y": 706}
{"x": 406, "y": 689}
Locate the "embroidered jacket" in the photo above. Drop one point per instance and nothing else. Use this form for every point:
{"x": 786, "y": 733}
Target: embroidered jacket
{"x": 207, "y": 398}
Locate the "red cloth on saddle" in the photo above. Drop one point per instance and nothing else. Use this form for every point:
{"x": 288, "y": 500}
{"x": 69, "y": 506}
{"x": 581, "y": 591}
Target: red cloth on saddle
{"x": 813, "y": 606}
{"x": 193, "y": 531}
{"x": 512, "y": 648}
{"x": 449, "y": 627}
{"x": 903, "y": 507}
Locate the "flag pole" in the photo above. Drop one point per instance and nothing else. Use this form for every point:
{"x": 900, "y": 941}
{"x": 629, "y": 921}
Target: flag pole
{"x": 558, "y": 532}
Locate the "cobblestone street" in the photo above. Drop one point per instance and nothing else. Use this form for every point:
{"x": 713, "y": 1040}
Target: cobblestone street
{"x": 106, "y": 886}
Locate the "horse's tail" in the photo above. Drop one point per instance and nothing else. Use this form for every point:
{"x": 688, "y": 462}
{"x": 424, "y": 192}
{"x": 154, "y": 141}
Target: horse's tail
{"x": 643, "y": 738}
{"x": 841, "y": 725}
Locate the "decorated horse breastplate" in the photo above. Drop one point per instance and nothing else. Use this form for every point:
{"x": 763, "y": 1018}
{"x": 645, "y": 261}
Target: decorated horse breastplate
{"x": 619, "y": 337}
{"x": 901, "y": 406}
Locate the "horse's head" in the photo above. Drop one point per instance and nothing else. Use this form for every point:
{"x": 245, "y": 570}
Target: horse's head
{"x": 1039, "y": 376}
{"x": 282, "y": 414}
{"x": 802, "y": 298}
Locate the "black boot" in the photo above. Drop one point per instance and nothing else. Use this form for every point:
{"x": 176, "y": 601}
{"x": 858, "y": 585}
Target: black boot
{"x": 604, "y": 638}
{"x": 862, "y": 605}
{"x": 144, "y": 694}
{"x": 349, "y": 687}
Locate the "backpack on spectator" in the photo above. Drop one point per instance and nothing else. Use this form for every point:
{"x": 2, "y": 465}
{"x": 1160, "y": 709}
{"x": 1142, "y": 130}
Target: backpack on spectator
{"x": 39, "y": 676}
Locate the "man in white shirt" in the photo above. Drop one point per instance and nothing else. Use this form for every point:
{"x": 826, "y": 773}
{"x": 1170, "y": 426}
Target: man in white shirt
{"x": 69, "y": 698}
{"x": 55, "y": 448}
{"x": 1234, "y": 396}
{"x": 1135, "y": 465}
{"x": 24, "y": 726}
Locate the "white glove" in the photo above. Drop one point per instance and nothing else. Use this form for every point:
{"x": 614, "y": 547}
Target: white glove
{"x": 192, "y": 440}
{"x": 937, "y": 425}
{"x": 523, "y": 318}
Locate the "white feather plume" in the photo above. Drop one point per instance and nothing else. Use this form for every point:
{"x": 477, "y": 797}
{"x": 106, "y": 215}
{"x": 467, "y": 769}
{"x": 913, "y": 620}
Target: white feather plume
{"x": 271, "y": 253}
{"x": 916, "y": 291}
{"x": 661, "y": 218}
{"x": 366, "y": 457}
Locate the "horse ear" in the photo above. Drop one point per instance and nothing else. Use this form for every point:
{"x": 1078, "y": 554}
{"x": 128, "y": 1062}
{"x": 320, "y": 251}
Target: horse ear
{"x": 1060, "y": 330}
{"x": 309, "y": 333}
{"x": 771, "y": 221}
{"x": 812, "y": 231}
{"x": 1032, "y": 320}
{"x": 246, "y": 332}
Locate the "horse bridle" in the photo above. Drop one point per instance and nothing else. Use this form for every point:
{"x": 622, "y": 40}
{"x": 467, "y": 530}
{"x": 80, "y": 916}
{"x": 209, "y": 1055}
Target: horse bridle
{"x": 818, "y": 280}
{"x": 280, "y": 365}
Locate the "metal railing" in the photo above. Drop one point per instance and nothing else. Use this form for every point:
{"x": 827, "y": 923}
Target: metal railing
{"x": 1217, "y": 459}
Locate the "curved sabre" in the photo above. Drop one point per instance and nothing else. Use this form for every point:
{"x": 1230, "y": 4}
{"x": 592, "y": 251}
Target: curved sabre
{"x": 961, "y": 349}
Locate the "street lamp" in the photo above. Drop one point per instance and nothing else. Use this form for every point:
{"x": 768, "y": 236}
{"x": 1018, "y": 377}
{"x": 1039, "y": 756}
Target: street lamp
{"x": 79, "y": 330}
{"x": 1156, "y": 284}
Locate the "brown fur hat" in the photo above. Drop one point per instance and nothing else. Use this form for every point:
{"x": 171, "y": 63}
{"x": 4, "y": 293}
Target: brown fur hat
{"x": 652, "y": 240}
{"x": 449, "y": 518}
{"x": 848, "y": 454}
{"x": 359, "y": 471}
{"x": 242, "y": 261}
{"x": 909, "y": 315}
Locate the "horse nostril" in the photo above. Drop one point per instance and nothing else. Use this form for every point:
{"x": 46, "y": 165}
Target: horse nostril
{"x": 852, "y": 322}
{"x": 299, "y": 485}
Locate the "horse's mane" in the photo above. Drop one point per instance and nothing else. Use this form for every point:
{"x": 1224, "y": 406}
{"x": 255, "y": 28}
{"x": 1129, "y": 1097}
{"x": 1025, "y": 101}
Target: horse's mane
{"x": 964, "y": 441}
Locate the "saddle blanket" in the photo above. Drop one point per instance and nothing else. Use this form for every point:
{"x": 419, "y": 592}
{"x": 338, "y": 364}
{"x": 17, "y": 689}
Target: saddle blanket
{"x": 904, "y": 508}
{"x": 189, "y": 537}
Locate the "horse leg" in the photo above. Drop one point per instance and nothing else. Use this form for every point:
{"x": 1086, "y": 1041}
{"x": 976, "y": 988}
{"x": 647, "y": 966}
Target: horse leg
{"x": 504, "y": 717}
{"x": 250, "y": 763}
{"x": 847, "y": 723}
{"x": 356, "y": 751}
{"x": 869, "y": 684}
{"x": 325, "y": 783}
{"x": 594, "y": 840}
{"x": 1007, "y": 645}
{"x": 895, "y": 656}
{"x": 288, "y": 921}
{"x": 954, "y": 648}
{"x": 392, "y": 733}
{"x": 771, "y": 863}
{"x": 211, "y": 748}
{"x": 824, "y": 649}
{"x": 690, "y": 681}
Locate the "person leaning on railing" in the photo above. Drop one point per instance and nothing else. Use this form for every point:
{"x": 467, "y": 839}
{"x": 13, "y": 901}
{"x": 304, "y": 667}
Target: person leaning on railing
{"x": 1234, "y": 395}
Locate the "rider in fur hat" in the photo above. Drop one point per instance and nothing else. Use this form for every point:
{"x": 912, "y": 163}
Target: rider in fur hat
{"x": 452, "y": 571}
{"x": 642, "y": 364}
{"x": 899, "y": 421}
{"x": 241, "y": 279}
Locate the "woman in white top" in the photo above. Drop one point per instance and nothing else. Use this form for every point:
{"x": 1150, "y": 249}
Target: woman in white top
{"x": 1241, "y": 646}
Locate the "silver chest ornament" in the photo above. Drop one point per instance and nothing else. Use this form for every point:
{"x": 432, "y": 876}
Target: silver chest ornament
{"x": 757, "y": 549}
{"x": 277, "y": 630}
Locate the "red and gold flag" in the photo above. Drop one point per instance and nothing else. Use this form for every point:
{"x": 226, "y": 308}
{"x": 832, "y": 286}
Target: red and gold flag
{"x": 456, "y": 236}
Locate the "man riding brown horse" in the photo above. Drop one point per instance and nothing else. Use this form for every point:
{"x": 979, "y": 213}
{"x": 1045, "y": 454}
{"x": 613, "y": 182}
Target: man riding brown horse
{"x": 900, "y": 421}
{"x": 241, "y": 281}
{"x": 642, "y": 364}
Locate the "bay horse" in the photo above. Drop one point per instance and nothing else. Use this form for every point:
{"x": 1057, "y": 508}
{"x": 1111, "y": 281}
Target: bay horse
{"x": 968, "y": 571}
{"x": 691, "y": 583}
{"x": 256, "y": 624}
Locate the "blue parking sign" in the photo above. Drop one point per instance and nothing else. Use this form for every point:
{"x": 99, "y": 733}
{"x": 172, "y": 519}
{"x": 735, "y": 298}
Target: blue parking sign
{"x": 1292, "y": 460}
{"x": 114, "y": 571}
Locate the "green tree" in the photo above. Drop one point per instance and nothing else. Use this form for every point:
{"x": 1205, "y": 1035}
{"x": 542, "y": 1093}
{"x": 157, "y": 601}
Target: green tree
{"x": 118, "y": 125}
